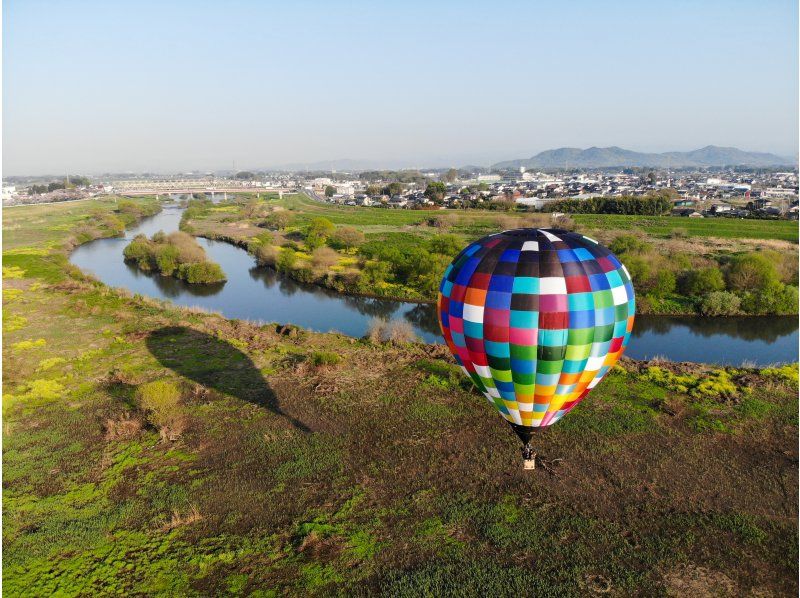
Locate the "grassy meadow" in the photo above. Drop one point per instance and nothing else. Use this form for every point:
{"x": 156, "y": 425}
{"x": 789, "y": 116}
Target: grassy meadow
{"x": 154, "y": 450}
{"x": 666, "y": 226}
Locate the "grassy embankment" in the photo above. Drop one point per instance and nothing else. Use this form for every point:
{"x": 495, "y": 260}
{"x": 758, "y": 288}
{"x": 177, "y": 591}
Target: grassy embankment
{"x": 153, "y": 450}
{"x": 175, "y": 254}
{"x": 679, "y": 265}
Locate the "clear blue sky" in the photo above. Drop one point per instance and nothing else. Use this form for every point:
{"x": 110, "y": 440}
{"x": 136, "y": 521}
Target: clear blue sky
{"x": 166, "y": 86}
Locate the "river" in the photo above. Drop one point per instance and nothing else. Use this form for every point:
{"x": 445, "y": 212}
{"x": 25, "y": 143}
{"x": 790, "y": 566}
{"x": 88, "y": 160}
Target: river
{"x": 262, "y": 295}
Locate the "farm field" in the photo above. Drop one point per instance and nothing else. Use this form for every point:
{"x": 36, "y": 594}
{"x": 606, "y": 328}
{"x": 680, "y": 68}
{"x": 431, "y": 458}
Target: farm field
{"x": 658, "y": 226}
{"x": 162, "y": 451}
{"x": 664, "y": 226}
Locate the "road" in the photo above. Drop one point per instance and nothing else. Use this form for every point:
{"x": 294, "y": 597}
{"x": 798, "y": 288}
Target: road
{"x": 311, "y": 195}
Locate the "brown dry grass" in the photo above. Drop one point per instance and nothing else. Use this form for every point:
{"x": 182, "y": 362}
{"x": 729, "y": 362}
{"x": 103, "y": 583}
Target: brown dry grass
{"x": 698, "y": 582}
{"x": 125, "y": 427}
{"x": 181, "y": 519}
{"x": 188, "y": 249}
{"x": 395, "y": 331}
{"x": 324, "y": 258}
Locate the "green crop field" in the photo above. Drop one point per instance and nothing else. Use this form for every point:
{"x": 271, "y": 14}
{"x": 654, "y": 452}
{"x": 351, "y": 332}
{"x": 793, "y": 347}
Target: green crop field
{"x": 658, "y": 226}
{"x": 664, "y": 226}
{"x": 351, "y": 215}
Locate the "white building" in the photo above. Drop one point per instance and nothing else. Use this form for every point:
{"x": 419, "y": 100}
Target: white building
{"x": 9, "y": 191}
{"x": 488, "y": 178}
{"x": 345, "y": 189}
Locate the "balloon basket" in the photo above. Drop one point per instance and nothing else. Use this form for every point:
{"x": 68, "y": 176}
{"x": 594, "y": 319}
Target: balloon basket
{"x": 528, "y": 457}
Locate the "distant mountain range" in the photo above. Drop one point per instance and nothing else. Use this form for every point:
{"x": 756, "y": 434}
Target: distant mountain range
{"x": 566, "y": 157}
{"x": 599, "y": 157}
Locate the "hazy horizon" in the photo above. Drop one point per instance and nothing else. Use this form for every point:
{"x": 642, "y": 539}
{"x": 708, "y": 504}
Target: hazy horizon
{"x": 115, "y": 87}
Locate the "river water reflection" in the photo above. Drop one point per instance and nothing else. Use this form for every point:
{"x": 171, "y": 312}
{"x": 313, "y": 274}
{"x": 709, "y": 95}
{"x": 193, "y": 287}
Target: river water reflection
{"x": 260, "y": 294}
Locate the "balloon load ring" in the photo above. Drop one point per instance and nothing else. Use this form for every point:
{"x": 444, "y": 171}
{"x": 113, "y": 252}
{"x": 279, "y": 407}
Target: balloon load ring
{"x": 536, "y": 318}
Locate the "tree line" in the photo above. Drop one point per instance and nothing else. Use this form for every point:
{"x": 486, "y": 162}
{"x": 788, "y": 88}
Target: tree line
{"x": 70, "y": 183}
{"x": 646, "y": 205}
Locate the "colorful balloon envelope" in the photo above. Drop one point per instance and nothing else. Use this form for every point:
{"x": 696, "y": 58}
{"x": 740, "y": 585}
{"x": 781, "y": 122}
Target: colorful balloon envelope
{"x": 536, "y": 318}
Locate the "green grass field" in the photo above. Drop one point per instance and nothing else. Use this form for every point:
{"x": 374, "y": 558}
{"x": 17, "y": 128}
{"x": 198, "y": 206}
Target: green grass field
{"x": 378, "y": 472}
{"x": 664, "y": 226}
{"x": 658, "y": 226}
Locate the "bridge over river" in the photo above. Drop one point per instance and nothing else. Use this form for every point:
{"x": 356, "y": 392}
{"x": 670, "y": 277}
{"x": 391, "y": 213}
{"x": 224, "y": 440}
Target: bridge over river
{"x": 190, "y": 190}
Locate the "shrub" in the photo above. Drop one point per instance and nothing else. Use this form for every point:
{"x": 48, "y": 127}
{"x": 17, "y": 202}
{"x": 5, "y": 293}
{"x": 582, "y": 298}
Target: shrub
{"x": 563, "y": 222}
{"x": 400, "y": 331}
{"x": 188, "y": 248}
{"x": 278, "y": 220}
{"x": 346, "y": 237}
{"x": 177, "y": 254}
{"x": 776, "y": 298}
{"x": 303, "y": 273}
{"x": 639, "y": 269}
{"x": 160, "y": 400}
{"x": 253, "y": 208}
{"x": 265, "y": 238}
{"x": 286, "y": 259}
{"x": 720, "y": 303}
{"x": 318, "y": 231}
{"x": 448, "y": 245}
{"x": 702, "y": 281}
{"x": 376, "y": 329}
{"x": 324, "y": 258}
{"x": 663, "y": 283}
{"x": 680, "y": 261}
{"x": 443, "y": 221}
{"x": 751, "y": 272}
{"x": 202, "y": 273}
{"x": 628, "y": 244}
{"x": 127, "y": 206}
{"x": 786, "y": 264}
{"x": 678, "y": 233}
{"x": 113, "y": 224}
{"x": 375, "y": 272}
{"x": 320, "y": 358}
{"x": 166, "y": 259}
{"x": 428, "y": 282}
{"x": 138, "y": 250}
{"x": 266, "y": 255}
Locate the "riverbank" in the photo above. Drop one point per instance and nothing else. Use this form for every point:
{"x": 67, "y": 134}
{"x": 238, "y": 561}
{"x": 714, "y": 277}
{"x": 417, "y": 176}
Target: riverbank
{"x": 302, "y": 463}
{"x": 400, "y": 254}
{"x": 325, "y": 281}
{"x": 261, "y": 294}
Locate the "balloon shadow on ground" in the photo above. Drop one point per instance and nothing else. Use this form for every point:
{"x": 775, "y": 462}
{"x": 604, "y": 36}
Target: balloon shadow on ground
{"x": 215, "y": 364}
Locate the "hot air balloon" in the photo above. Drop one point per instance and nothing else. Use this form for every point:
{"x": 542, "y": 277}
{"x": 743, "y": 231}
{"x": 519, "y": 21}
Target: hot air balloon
{"x": 536, "y": 318}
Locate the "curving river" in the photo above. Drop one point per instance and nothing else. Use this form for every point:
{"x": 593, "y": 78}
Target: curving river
{"x": 262, "y": 295}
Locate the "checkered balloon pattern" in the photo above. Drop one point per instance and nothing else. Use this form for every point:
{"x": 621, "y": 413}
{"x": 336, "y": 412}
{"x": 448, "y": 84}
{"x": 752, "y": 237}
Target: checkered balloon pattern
{"x": 536, "y": 318}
